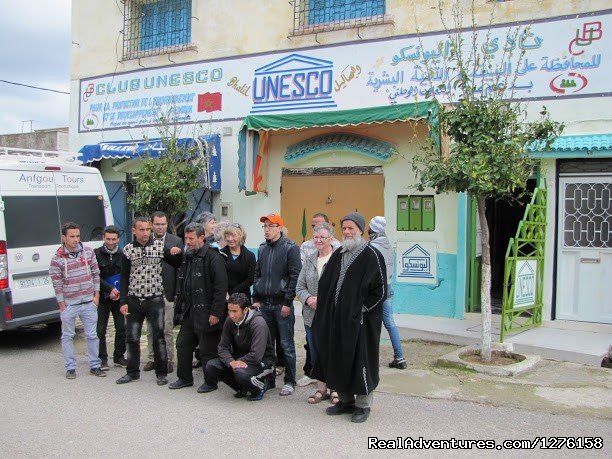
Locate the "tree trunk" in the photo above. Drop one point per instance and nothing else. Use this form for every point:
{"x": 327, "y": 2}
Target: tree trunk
{"x": 485, "y": 286}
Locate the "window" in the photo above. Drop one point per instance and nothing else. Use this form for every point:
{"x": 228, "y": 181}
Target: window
{"x": 322, "y": 11}
{"x": 39, "y": 224}
{"x": 156, "y": 27}
{"x": 311, "y": 16}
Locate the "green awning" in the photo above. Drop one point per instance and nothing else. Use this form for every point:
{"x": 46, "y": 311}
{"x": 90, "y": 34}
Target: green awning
{"x": 375, "y": 115}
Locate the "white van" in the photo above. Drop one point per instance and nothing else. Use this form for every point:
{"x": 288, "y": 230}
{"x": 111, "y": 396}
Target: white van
{"x": 39, "y": 191}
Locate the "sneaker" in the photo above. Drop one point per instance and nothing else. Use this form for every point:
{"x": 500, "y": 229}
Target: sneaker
{"x": 97, "y": 372}
{"x": 179, "y": 384}
{"x": 305, "y": 381}
{"x": 126, "y": 379}
{"x": 360, "y": 414}
{"x": 400, "y": 364}
{"x": 241, "y": 394}
{"x": 71, "y": 374}
{"x": 149, "y": 366}
{"x": 104, "y": 365}
{"x": 205, "y": 388}
{"x": 256, "y": 396}
{"x": 120, "y": 362}
{"x": 162, "y": 380}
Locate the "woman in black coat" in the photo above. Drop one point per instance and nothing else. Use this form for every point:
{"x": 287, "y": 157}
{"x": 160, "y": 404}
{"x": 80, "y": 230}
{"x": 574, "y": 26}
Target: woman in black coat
{"x": 239, "y": 262}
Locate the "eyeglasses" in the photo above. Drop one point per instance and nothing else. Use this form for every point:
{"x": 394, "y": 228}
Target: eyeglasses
{"x": 269, "y": 226}
{"x": 321, "y": 238}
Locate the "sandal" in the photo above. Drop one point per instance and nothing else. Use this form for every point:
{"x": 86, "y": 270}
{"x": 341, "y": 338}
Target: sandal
{"x": 318, "y": 396}
{"x": 287, "y": 390}
{"x": 333, "y": 399}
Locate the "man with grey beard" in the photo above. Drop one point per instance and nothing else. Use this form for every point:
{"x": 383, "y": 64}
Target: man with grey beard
{"x": 346, "y": 327}
{"x": 201, "y": 290}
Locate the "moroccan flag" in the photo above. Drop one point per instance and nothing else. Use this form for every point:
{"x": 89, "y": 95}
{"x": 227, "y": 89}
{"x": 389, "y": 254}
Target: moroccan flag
{"x": 209, "y": 102}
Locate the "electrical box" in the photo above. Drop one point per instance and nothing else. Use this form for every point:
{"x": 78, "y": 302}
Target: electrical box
{"x": 428, "y": 215}
{"x": 415, "y": 213}
{"x": 402, "y": 213}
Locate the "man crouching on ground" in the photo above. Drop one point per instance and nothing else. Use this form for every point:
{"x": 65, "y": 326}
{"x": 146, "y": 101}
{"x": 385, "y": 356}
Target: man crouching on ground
{"x": 246, "y": 354}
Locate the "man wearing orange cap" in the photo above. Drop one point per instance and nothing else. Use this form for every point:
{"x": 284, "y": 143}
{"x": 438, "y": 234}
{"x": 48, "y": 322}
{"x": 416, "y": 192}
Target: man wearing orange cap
{"x": 276, "y": 274}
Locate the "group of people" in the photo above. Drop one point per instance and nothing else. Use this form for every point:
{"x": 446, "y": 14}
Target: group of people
{"x": 235, "y": 311}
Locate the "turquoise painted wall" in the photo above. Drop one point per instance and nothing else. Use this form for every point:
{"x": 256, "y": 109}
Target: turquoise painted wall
{"x": 431, "y": 300}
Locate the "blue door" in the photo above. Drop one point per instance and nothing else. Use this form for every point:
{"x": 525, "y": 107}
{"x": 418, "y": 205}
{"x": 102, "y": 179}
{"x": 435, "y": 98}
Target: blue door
{"x": 117, "y": 195}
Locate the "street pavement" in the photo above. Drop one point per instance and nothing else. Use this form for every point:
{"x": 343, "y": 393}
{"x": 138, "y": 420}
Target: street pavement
{"x": 47, "y": 415}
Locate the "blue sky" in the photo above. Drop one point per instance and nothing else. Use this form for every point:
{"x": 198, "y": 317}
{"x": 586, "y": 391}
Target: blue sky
{"x": 35, "y": 50}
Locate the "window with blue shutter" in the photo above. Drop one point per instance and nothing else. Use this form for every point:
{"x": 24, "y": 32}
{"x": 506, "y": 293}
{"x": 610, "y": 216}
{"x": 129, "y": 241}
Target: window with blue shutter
{"x": 165, "y": 23}
{"x": 326, "y": 11}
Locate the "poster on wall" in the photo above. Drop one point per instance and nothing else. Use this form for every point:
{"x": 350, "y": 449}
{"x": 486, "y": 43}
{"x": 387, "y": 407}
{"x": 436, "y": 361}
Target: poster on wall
{"x": 562, "y": 58}
{"x": 525, "y": 283}
{"x": 416, "y": 262}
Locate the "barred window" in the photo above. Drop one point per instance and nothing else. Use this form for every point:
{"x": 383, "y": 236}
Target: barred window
{"x": 311, "y": 16}
{"x": 154, "y": 27}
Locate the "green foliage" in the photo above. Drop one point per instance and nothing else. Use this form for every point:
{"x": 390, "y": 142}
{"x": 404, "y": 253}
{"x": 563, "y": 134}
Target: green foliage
{"x": 164, "y": 183}
{"x": 488, "y": 151}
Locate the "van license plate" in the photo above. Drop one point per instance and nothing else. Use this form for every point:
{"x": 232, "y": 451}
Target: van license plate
{"x": 30, "y": 282}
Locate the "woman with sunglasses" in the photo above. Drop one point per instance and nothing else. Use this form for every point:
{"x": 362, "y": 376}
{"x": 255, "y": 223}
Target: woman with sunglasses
{"x": 239, "y": 261}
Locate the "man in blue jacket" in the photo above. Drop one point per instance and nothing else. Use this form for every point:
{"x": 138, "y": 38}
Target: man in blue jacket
{"x": 276, "y": 274}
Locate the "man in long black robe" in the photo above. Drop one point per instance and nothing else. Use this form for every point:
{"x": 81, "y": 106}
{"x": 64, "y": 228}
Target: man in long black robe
{"x": 348, "y": 320}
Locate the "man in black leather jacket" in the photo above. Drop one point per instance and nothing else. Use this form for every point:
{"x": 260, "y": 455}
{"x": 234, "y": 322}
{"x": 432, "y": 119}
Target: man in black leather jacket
{"x": 201, "y": 292}
{"x": 276, "y": 273}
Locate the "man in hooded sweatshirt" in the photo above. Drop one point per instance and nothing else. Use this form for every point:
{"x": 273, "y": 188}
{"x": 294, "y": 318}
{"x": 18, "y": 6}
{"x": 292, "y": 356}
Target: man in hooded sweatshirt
{"x": 246, "y": 354}
{"x": 379, "y": 240}
{"x": 76, "y": 280}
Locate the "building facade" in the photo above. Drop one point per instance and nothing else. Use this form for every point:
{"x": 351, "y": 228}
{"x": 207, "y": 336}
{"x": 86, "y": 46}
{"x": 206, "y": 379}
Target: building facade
{"x": 320, "y": 106}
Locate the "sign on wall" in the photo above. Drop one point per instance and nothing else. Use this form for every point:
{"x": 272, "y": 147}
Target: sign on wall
{"x": 563, "y": 58}
{"x": 416, "y": 262}
{"x": 525, "y": 283}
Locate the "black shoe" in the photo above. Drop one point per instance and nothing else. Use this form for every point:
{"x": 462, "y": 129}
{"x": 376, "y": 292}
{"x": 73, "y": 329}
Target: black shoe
{"x": 205, "y": 388}
{"x": 120, "y": 362}
{"x": 179, "y": 384}
{"x": 97, "y": 372}
{"x": 241, "y": 394}
{"x": 126, "y": 379}
{"x": 256, "y": 396}
{"x": 70, "y": 374}
{"x": 104, "y": 365}
{"x": 400, "y": 364}
{"x": 162, "y": 380}
{"x": 360, "y": 414}
{"x": 340, "y": 408}
{"x": 149, "y": 366}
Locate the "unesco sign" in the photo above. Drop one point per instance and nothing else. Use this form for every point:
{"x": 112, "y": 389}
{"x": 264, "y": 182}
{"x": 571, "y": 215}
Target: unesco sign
{"x": 295, "y": 82}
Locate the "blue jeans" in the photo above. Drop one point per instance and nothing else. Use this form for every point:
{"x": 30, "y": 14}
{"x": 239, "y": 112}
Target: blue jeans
{"x": 314, "y": 355}
{"x": 389, "y": 323}
{"x": 89, "y": 316}
{"x": 272, "y": 314}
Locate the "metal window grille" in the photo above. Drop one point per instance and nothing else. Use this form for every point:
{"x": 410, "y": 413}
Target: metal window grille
{"x": 311, "y": 16}
{"x": 155, "y": 27}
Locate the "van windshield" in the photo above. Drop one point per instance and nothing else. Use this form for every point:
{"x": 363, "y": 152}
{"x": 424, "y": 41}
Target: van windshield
{"x": 36, "y": 220}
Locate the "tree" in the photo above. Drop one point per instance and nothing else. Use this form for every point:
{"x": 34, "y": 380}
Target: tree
{"x": 489, "y": 133}
{"x": 164, "y": 182}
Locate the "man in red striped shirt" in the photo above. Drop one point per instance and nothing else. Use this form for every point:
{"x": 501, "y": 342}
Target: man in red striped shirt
{"x": 76, "y": 280}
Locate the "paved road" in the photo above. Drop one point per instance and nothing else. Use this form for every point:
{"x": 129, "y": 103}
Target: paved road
{"x": 46, "y": 415}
